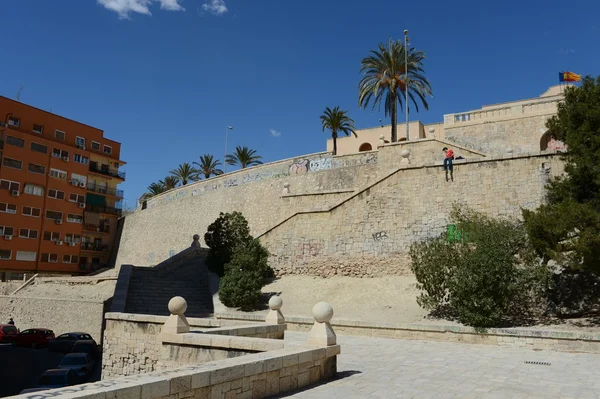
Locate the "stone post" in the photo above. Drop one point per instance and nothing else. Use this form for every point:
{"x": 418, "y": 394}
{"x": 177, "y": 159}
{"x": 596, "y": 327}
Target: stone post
{"x": 176, "y": 323}
{"x": 286, "y": 188}
{"x": 196, "y": 242}
{"x": 405, "y": 154}
{"x": 275, "y": 316}
{"x": 381, "y": 140}
{"x": 321, "y": 333}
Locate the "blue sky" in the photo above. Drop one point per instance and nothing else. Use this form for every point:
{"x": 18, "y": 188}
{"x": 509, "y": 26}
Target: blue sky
{"x": 165, "y": 77}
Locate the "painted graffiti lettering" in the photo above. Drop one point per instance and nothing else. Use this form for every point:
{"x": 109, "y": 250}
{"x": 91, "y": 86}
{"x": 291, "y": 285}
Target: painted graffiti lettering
{"x": 320, "y": 164}
{"x": 299, "y": 167}
{"x": 308, "y": 249}
{"x": 380, "y": 236}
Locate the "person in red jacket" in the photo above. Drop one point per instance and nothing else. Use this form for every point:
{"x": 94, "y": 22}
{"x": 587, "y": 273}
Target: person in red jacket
{"x": 448, "y": 158}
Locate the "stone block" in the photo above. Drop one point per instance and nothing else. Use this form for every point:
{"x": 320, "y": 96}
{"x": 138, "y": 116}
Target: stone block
{"x": 180, "y": 384}
{"x": 259, "y": 388}
{"x": 226, "y": 374}
{"x": 155, "y": 389}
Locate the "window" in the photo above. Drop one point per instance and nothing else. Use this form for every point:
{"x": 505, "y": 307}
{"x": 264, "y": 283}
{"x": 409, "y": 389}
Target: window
{"x": 95, "y": 146}
{"x": 17, "y": 142}
{"x": 59, "y": 135}
{"x": 33, "y": 168}
{"x": 12, "y": 163}
{"x": 7, "y": 231}
{"x": 33, "y": 189}
{"x": 4, "y": 254}
{"x": 78, "y": 178}
{"x": 28, "y": 233}
{"x": 81, "y": 159}
{"x": 9, "y": 185}
{"x": 73, "y": 238}
{"x": 49, "y": 258}
{"x": 56, "y": 194}
{"x": 58, "y": 153}
{"x": 27, "y": 256}
{"x": 79, "y": 142}
{"x": 39, "y": 148}
{"x": 8, "y": 208}
{"x": 76, "y": 198}
{"x": 34, "y": 212}
{"x": 53, "y": 215}
{"x": 70, "y": 259}
{"x": 51, "y": 236}
{"x": 59, "y": 174}
{"x": 107, "y": 149}
{"x": 14, "y": 121}
{"x": 74, "y": 218}
{"x": 38, "y": 128}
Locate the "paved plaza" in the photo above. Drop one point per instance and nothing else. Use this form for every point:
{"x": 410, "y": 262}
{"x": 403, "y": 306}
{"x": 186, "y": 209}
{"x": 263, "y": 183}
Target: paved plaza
{"x": 388, "y": 368}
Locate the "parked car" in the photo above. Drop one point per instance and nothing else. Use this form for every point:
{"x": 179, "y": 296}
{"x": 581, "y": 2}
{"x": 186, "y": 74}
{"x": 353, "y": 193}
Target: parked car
{"x": 8, "y": 333}
{"x": 64, "y": 342}
{"x": 87, "y": 346}
{"x": 81, "y": 363}
{"x": 34, "y": 337}
{"x": 55, "y": 378}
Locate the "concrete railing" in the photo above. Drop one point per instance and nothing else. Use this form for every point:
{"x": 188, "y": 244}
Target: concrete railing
{"x": 501, "y": 112}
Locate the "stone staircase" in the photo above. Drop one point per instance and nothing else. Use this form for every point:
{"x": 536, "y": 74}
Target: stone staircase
{"x": 148, "y": 290}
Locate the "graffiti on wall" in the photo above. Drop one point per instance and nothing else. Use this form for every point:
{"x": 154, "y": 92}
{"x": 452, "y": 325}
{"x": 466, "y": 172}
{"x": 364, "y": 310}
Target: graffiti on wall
{"x": 308, "y": 249}
{"x": 380, "y": 236}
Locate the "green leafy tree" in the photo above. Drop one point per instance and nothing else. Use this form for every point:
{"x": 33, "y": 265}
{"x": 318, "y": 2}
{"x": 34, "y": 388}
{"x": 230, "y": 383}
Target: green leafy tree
{"x": 485, "y": 278}
{"x": 337, "y": 121}
{"x": 170, "y": 182}
{"x": 385, "y": 80}
{"x": 228, "y": 232}
{"x": 185, "y": 173}
{"x": 208, "y": 166}
{"x": 155, "y": 189}
{"x": 567, "y": 228}
{"x": 243, "y": 157}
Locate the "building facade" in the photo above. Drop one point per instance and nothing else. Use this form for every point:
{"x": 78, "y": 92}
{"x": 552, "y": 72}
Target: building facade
{"x": 59, "y": 201}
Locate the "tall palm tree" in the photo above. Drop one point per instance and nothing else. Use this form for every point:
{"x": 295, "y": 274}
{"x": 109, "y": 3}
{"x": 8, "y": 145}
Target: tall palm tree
{"x": 185, "y": 172}
{"x": 156, "y": 188}
{"x": 336, "y": 120}
{"x": 170, "y": 182}
{"x": 244, "y": 157}
{"x": 385, "y": 79}
{"x": 208, "y": 166}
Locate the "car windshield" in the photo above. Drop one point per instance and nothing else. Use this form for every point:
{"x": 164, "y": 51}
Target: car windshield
{"x": 73, "y": 361}
{"x": 9, "y": 329}
{"x": 55, "y": 379}
{"x": 83, "y": 347}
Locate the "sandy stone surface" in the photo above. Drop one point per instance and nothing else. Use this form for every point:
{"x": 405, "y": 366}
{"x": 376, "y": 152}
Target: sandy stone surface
{"x": 92, "y": 292}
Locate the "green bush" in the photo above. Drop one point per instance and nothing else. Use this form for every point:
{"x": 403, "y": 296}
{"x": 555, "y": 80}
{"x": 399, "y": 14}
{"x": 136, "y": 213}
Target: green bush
{"x": 223, "y": 236}
{"x": 251, "y": 257}
{"x": 484, "y": 280}
{"x": 240, "y": 289}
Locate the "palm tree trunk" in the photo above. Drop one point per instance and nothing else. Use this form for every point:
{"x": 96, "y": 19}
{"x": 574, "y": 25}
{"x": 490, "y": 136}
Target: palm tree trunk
{"x": 334, "y": 135}
{"x": 393, "y": 112}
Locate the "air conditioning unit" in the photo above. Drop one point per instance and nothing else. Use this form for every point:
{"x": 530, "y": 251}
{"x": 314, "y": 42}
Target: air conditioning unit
{"x": 7, "y": 237}
{"x": 83, "y": 147}
{"x": 55, "y": 155}
{"x": 66, "y": 159}
{"x": 82, "y": 205}
{"x": 58, "y": 221}
{"x": 14, "y": 193}
{"x": 59, "y": 243}
{"x": 74, "y": 183}
{"x": 2, "y": 124}
{"x": 13, "y": 211}
{"x": 81, "y": 184}
{"x": 72, "y": 244}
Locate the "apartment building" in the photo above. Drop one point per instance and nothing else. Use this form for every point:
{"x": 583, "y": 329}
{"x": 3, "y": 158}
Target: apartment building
{"x": 59, "y": 201}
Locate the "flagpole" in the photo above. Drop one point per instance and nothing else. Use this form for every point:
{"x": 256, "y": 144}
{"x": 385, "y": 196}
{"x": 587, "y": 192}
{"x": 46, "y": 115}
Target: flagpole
{"x": 406, "y": 79}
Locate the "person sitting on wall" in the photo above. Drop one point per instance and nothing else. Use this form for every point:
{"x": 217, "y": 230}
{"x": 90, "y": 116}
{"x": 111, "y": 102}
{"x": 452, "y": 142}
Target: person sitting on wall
{"x": 11, "y": 322}
{"x": 448, "y": 158}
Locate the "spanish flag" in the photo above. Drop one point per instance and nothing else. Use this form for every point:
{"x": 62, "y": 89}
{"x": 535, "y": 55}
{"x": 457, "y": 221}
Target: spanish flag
{"x": 568, "y": 77}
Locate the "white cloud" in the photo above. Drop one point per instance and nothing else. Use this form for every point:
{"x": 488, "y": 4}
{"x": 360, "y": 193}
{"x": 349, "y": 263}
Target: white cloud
{"x": 275, "y": 133}
{"x": 216, "y": 7}
{"x": 125, "y": 7}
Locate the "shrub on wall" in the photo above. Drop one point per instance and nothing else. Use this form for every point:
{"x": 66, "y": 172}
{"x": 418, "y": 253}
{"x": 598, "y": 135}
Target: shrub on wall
{"x": 228, "y": 232}
{"x": 487, "y": 277}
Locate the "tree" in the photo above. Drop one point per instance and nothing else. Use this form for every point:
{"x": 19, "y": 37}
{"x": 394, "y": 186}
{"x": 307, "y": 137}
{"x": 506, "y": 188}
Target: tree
{"x": 385, "y": 80}
{"x": 185, "y": 172}
{"x": 156, "y": 188}
{"x": 567, "y": 228}
{"x": 228, "y": 232}
{"x": 243, "y": 157}
{"x": 170, "y": 182}
{"x": 337, "y": 121}
{"x": 208, "y": 166}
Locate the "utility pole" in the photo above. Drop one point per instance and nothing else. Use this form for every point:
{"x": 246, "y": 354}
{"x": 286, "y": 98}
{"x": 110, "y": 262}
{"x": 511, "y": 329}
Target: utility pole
{"x": 406, "y": 79}
{"x": 227, "y": 129}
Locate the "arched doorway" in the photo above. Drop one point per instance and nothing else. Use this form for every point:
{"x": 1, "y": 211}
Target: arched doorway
{"x": 365, "y": 147}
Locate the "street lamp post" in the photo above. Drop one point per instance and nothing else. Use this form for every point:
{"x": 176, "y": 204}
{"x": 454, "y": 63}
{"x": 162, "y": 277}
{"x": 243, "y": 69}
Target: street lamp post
{"x": 406, "y": 78}
{"x": 227, "y": 129}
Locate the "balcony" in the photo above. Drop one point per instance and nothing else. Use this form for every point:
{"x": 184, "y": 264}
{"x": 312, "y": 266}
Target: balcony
{"x": 106, "y": 171}
{"x": 91, "y": 267}
{"x": 105, "y": 190}
{"x": 103, "y": 209}
{"x": 97, "y": 228}
{"x": 92, "y": 246}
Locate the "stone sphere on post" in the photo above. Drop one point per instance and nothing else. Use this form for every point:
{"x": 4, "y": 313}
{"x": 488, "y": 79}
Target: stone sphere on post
{"x": 177, "y": 306}
{"x": 322, "y": 312}
{"x": 286, "y": 188}
{"x": 275, "y": 316}
{"x": 275, "y": 302}
{"x": 196, "y": 241}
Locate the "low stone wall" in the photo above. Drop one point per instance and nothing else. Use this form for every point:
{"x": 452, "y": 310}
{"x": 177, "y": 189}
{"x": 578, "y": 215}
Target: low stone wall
{"x": 59, "y": 315}
{"x": 563, "y": 341}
